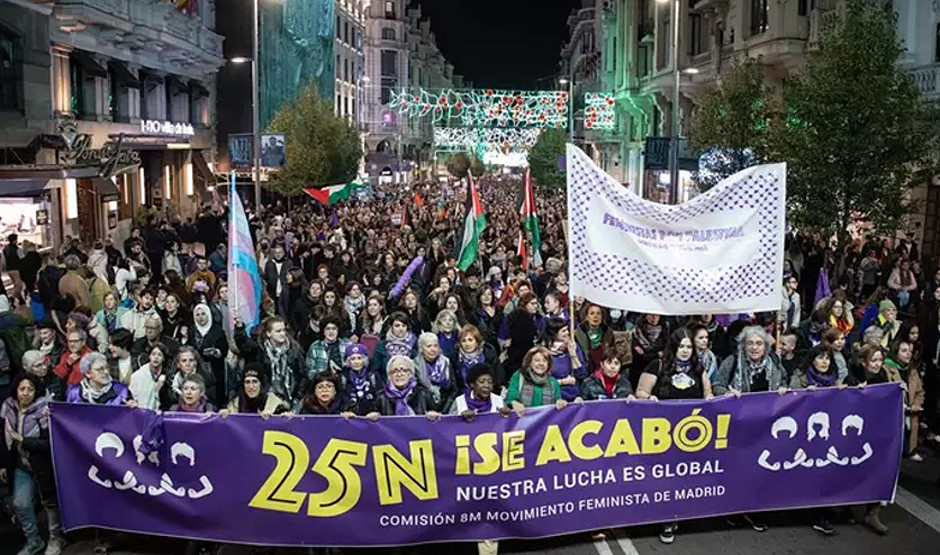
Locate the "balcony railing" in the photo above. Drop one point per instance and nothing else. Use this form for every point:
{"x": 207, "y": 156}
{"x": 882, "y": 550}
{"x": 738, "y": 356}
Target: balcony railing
{"x": 927, "y": 79}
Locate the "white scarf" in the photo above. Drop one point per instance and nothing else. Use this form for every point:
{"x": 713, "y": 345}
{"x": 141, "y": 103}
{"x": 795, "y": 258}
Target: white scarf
{"x": 203, "y": 330}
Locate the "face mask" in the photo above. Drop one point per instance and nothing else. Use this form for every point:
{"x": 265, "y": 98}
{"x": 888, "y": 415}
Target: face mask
{"x": 615, "y": 314}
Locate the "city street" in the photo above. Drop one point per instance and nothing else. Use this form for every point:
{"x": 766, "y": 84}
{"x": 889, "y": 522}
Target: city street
{"x": 914, "y": 521}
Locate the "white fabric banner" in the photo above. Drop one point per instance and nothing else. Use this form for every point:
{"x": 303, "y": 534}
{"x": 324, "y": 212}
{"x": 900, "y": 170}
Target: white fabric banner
{"x": 721, "y": 252}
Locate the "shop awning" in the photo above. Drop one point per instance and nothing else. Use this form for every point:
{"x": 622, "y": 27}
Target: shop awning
{"x": 89, "y": 64}
{"x": 106, "y": 189}
{"x": 18, "y": 138}
{"x": 202, "y": 168}
{"x": 22, "y": 187}
{"x": 124, "y": 76}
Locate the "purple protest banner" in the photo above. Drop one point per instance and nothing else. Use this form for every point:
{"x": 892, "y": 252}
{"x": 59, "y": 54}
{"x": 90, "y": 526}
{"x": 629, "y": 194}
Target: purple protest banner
{"x": 326, "y": 481}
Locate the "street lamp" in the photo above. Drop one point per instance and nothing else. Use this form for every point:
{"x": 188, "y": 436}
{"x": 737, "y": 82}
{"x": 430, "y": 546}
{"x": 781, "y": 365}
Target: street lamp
{"x": 566, "y": 82}
{"x": 674, "y": 121}
{"x": 255, "y": 102}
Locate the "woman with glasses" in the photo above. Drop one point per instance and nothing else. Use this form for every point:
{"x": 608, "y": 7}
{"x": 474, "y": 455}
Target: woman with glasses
{"x": 403, "y": 395}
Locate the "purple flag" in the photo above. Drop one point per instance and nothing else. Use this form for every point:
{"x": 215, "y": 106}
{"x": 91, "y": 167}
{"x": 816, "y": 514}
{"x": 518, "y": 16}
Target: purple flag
{"x": 321, "y": 480}
{"x": 822, "y": 287}
{"x": 334, "y": 220}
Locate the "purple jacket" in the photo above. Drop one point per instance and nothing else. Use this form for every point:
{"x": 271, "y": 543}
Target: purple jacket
{"x": 117, "y": 395}
{"x": 562, "y": 368}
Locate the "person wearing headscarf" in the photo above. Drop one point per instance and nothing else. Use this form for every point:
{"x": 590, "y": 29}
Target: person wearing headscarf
{"x": 399, "y": 340}
{"x": 754, "y": 367}
{"x": 433, "y": 369}
{"x": 97, "y": 387}
{"x": 26, "y": 462}
{"x": 253, "y": 396}
{"x": 208, "y": 338}
{"x": 533, "y": 385}
{"x": 359, "y": 385}
{"x": 403, "y": 394}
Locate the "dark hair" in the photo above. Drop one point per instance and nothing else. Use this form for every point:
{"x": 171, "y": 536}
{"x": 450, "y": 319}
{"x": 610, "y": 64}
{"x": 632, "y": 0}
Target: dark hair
{"x": 611, "y": 352}
{"x": 694, "y": 329}
{"x": 122, "y": 338}
{"x": 479, "y": 369}
{"x": 245, "y": 403}
{"x": 34, "y": 380}
{"x": 399, "y": 316}
{"x": 668, "y": 365}
{"x": 327, "y": 320}
{"x": 552, "y": 327}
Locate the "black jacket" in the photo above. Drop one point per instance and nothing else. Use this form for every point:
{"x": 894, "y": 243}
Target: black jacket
{"x": 592, "y": 388}
{"x": 272, "y": 276}
{"x": 252, "y": 351}
{"x": 420, "y": 402}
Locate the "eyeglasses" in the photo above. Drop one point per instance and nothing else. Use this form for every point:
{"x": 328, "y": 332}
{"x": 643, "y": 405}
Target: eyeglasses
{"x": 325, "y": 386}
{"x": 399, "y": 371}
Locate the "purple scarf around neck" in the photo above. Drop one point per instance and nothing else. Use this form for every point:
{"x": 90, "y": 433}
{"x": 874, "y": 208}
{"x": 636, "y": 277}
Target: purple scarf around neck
{"x": 437, "y": 371}
{"x": 477, "y": 406}
{"x": 400, "y": 396}
{"x": 820, "y": 379}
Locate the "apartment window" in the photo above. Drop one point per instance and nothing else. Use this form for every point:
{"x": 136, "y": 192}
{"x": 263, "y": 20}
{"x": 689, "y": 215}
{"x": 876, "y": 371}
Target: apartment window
{"x": 665, "y": 45}
{"x": 642, "y": 61}
{"x": 389, "y": 63}
{"x": 346, "y": 32}
{"x": 346, "y": 70}
{"x": 338, "y": 27}
{"x": 10, "y": 68}
{"x": 389, "y": 9}
{"x": 388, "y": 33}
{"x": 760, "y": 15}
{"x": 114, "y": 94}
{"x": 696, "y": 36}
{"x": 386, "y": 95}
{"x": 802, "y": 7}
{"x": 77, "y": 82}
{"x": 936, "y": 54}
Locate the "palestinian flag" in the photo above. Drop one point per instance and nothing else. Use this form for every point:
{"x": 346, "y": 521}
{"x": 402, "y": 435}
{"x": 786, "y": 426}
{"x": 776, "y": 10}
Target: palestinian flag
{"x": 521, "y": 250}
{"x": 333, "y": 194}
{"x": 530, "y": 221}
{"x": 474, "y": 224}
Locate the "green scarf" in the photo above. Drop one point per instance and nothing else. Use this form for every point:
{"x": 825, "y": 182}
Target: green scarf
{"x": 529, "y": 381}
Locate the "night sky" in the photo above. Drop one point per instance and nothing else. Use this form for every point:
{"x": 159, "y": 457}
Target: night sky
{"x": 506, "y": 44}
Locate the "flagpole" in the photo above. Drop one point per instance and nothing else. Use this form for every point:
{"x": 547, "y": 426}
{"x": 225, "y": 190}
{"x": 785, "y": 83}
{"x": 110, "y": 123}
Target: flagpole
{"x": 233, "y": 275}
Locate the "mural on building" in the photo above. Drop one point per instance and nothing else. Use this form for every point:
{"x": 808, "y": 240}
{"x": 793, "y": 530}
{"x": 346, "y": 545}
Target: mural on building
{"x": 296, "y": 47}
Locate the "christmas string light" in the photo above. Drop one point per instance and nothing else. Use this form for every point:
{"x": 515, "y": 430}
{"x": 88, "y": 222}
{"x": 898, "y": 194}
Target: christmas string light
{"x": 599, "y": 111}
{"x": 482, "y": 140}
{"x": 485, "y": 107}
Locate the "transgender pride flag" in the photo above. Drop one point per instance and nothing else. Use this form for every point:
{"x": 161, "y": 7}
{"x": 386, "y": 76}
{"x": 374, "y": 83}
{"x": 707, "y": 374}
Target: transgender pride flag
{"x": 244, "y": 280}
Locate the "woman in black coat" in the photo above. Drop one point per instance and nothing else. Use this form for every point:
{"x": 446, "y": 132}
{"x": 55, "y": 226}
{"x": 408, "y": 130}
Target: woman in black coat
{"x": 520, "y": 329}
{"x": 403, "y": 395}
{"x": 209, "y": 340}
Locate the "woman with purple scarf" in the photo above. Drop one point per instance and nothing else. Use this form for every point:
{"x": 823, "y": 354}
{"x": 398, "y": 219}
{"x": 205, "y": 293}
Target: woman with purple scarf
{"x": 403, "y": 395}
{"x": 359, "y": 385}
{"x": 399, "y": 340}
{"x": 473, "y": 350}
{"x": 434, "y": 372}
{"x": 479, "y": 397}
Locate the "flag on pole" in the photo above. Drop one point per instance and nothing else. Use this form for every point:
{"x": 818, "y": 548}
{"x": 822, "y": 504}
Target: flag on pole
{"x": 244, "y": 292}
{"x": 418, "y": 200}
{"x": 822, "y": 287}
{"x": 474, "y": 224}
{"x": 333, "y": 194}
{"x": 521, "y": 250}
{"x": 404, "y": 215}
{"x": 530, "y": 221}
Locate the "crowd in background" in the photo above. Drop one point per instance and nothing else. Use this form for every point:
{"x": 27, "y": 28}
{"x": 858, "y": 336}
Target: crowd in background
{"x": 365, "y": 314}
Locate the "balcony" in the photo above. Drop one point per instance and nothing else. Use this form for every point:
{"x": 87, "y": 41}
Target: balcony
{"x": 927, "y": 79}
{"x": 157, "y": 34}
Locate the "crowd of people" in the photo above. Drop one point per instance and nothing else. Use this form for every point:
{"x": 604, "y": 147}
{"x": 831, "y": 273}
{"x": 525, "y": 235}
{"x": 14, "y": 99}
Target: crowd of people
{"x": 366, "y": 314}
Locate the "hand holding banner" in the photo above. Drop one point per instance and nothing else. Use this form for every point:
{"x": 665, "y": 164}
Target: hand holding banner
{"x": 327, "y": 481}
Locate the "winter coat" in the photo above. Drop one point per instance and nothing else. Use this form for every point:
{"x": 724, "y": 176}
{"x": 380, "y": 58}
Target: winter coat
{"x": 253, "y": 351}
{"x": 33, "y": 454}
{"x": 420, "y": 401}
{"x": 116, "y": 396}
{"x": 592, "y": 388}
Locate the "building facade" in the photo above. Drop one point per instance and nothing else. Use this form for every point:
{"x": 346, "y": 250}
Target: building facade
{"x": 349, "y": 50}
{"x": 107, "y": 110}
{"x": 401, "y": 54}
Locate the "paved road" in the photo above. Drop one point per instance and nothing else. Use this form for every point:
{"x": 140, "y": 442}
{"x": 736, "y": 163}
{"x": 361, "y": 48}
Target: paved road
{"x": 914, "y": 521}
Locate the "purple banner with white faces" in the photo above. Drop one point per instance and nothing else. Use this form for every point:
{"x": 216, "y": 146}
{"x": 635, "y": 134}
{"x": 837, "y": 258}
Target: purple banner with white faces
{"x": 325, "y": 481}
